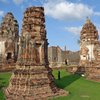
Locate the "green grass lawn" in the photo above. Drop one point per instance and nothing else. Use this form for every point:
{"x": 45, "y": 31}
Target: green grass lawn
{"x": 4, "y": 81}
{"x": 79, "y": 87}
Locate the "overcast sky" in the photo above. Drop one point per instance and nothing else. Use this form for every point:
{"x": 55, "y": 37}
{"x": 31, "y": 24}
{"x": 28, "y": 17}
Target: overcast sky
{"x": 64, "y": 18}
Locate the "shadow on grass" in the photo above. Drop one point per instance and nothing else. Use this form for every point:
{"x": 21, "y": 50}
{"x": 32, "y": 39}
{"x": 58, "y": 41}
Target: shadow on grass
{"x": 67, "y": 80}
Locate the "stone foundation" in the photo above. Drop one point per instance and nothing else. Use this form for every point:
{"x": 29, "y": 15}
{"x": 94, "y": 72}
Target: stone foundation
{"x": 32, "y": 83}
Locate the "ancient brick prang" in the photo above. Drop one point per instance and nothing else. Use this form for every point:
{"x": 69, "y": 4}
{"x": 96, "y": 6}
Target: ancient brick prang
{"x": 8, "y": 39}
{"x": 33, "y": 42}
{"x": 88, "y": 41}
{"x": 89, "y": 33}
{"x": 90, "y": 51}
{"x": 32, "y": 79}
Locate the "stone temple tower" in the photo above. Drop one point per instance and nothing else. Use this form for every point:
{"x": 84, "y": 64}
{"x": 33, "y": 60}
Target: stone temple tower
{"x": 32, "y": 78}
{"x": 90, "y": 51}
{"x": 88, "y": 41}
{"x": 33, "y": 42}
{"x": 8, "y": 39}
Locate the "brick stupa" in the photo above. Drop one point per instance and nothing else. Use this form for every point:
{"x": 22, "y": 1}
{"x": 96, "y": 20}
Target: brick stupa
{"x": 32, "y": 79}
{"x": 8, "y": 41}
{"x": 90, "y": 50}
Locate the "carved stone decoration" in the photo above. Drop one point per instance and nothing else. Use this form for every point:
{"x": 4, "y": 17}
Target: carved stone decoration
{"x": 32, "y": 79}
{"x": 84, "y": 51}
{"x": 84, "y": 55}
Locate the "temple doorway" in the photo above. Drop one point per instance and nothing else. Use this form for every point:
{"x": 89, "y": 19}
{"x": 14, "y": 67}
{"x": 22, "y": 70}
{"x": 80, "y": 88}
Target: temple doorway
{"x": 9, "y": 55}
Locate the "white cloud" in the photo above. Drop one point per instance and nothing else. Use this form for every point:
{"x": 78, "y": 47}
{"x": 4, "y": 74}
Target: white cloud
{"x": 1, "y": 13}
{"x": 75, "y": 30}
{"x": 97, "y": 13}
{"x": 64, "y": 10}
{"x": 18, "y": 1}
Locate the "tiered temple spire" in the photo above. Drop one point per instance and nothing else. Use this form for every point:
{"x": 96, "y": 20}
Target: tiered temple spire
{"x": 8, "y": 39}
{"x": 32, "y": 78}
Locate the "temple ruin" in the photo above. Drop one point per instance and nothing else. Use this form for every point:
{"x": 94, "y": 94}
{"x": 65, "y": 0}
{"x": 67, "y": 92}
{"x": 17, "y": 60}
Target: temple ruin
{"x": 8, "y": 40}
{"x": 61, "y": 58}
{"x": 56, "y": 56}
{"x": 32, "y": 79}
{"x": 90, "y": 50}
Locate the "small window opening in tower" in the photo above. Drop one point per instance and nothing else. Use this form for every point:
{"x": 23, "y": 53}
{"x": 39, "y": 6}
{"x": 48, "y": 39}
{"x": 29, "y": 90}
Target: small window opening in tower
{"x": 30, "y": 26}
